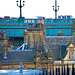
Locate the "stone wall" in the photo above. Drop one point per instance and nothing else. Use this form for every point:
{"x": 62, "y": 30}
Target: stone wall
{"x": 27, "y": 65}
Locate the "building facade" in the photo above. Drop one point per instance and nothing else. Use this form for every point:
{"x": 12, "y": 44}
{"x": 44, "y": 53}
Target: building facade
{"x": 15, "y": 30}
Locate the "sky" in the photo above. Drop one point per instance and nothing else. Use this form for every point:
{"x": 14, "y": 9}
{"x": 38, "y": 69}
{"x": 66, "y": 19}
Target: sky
{"x": 35, "y": 8}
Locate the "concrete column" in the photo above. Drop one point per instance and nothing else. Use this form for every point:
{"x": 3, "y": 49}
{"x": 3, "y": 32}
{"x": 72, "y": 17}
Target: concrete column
{"x": 71, "y": 68}
{"x": 51, "y": 71}
{"x": 54, "y": 70}
{"x": 65, "y": 69}
{"x": 60, "y": 70}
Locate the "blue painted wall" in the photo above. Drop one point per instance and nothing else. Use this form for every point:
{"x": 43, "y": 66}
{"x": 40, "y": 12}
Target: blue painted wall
{"x": 53, "y": 26}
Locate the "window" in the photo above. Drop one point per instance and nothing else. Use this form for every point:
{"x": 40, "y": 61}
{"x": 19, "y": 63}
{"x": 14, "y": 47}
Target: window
{"x": 33, "y": 21}
{"x": 25, "y": 21}
{"x": 71, "y": 55}
{"x": 29, "y": 21}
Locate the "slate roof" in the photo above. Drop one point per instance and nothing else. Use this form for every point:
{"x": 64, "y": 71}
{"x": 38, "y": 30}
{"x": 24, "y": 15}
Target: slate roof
{"x": 55, "y": 42}
{"x": 60, "y": 53}
{"x": 20, "y": 55}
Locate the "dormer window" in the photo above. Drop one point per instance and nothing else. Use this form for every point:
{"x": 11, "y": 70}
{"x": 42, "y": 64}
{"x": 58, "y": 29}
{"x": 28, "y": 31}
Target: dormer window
{"x": 70, "y": 52}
